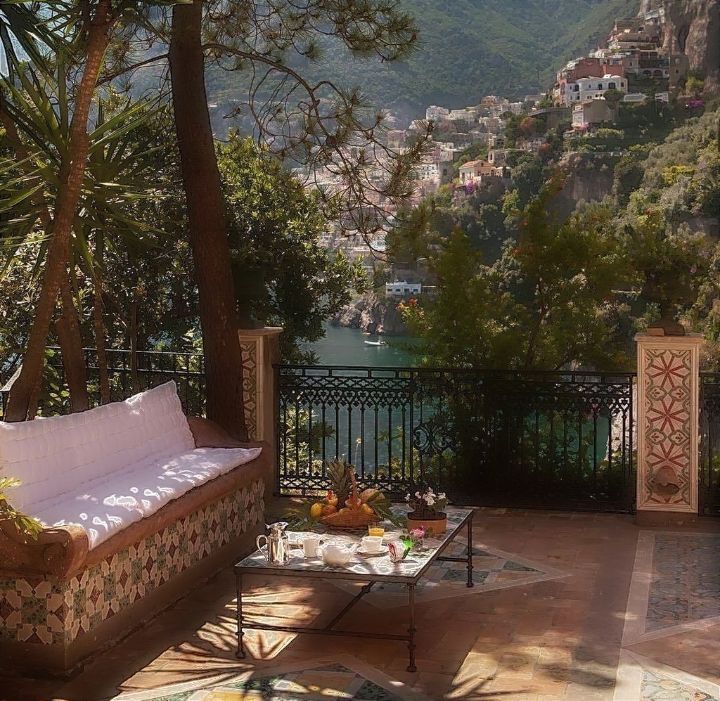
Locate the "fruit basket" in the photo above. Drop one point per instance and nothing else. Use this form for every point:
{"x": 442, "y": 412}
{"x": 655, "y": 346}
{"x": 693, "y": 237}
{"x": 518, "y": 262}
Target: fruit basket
{"x": 345, "y": 506}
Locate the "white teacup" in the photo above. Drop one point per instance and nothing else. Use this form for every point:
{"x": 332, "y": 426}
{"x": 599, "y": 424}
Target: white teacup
{"x": 311, "y": 544}
{"x": 372, "y": 543}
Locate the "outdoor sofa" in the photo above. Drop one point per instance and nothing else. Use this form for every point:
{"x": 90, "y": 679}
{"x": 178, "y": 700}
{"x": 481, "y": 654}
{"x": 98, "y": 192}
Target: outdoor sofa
{"x": 136, "y": 507}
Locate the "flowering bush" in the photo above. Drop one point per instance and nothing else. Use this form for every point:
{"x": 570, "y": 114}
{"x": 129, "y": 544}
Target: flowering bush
{"x": 427, "y": 504}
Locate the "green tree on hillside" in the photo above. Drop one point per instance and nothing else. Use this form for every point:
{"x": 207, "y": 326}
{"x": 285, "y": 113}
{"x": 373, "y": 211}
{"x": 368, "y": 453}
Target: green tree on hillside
{"x": 548, "y": 303}
{"x": 282, "y": 273}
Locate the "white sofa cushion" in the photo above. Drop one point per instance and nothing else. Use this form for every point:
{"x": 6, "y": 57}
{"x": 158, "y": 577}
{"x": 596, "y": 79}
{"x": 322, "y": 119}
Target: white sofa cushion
{"x": 59, "y": 454}
{"x": 108, "y": 467}
{"x": 109, "y": 504}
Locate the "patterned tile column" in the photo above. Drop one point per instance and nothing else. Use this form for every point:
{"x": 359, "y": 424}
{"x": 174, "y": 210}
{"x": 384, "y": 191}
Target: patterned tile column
{"x": 261, "y": 350}
{"x": 667, "y": 423}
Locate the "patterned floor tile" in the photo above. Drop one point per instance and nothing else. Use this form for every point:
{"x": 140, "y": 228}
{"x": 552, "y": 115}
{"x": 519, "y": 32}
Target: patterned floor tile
{"x": 675, "y": 585}
{"x": 643, "y": 679}
{"x": 492, "y": 569}
{"x": 350, "y": 680}
{"x": 659, "y": 687}
{"x": 685, "y": 583}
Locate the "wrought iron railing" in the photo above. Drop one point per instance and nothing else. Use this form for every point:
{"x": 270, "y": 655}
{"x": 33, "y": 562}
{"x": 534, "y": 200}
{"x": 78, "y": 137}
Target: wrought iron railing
{"x": 128, "y": 373}
{"x": 709, "y": 478}
{"x": 533, "y": 438}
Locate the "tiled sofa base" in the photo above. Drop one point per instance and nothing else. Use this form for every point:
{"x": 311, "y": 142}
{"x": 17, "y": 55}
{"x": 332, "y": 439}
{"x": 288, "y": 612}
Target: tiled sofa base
{"x": 49, "y": 624}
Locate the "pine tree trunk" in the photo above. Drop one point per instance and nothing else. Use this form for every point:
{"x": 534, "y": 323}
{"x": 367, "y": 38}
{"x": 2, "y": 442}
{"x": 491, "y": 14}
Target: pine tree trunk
{"x": 100, "y": 343}
{"x": 133, "y": 332}
{"x": 71, "y": 346}
{"x": 58, "y": 254}
{"x": 99, "y": 323}
{"x": 207, "y": 222}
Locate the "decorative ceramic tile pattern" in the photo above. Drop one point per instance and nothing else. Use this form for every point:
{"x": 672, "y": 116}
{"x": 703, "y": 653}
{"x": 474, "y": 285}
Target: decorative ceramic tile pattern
{"x": 658, "y": 687}
{"x": 685, "y": 585}
{"x": 492, "y": 569}
{"x": 667, "y": 428}
{"x": 45, "y": 610}
{"x": 249, "y": 349}
{"x": 316, "y": 682}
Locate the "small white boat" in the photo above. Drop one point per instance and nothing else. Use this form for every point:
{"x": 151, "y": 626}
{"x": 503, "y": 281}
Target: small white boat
{"x": 375, "y": 343}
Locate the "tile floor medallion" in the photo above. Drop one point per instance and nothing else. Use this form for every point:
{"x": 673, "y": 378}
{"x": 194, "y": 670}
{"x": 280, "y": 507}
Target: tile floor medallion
{"x": 675, "y": 589}
{"x": 642, "y": 679}
{"x": 343, "y": 678}
{"x": 675, "y": 585}
{"x": 492, "y": 569}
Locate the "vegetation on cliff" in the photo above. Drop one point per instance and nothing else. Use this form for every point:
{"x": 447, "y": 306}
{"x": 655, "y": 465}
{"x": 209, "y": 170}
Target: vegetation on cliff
{"x": 520, "y": 285}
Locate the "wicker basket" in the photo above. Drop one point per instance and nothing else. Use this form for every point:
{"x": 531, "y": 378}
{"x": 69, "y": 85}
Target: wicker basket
{"x": 350, "y": 520}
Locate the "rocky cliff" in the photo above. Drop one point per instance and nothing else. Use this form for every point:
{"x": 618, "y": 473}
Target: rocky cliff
{"x": 693, "y": 28}
{"x": 372, "y": 315}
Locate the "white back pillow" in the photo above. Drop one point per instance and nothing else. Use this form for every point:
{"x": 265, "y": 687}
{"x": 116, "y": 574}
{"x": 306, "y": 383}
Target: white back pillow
{"x": 58, "y": 455}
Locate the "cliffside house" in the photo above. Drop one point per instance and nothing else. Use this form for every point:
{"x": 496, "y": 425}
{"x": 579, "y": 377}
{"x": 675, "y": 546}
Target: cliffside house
{"x": 590, "y": 114}
{"x": 474, "y": 171}
{"x": 400, "y": 288}
{"x": 585, "y": 89}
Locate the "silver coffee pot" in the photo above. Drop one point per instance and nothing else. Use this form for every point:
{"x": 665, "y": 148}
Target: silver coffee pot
{"x": 277, "y": 551}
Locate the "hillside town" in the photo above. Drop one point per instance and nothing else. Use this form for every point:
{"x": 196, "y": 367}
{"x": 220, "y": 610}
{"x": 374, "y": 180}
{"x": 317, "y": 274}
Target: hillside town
{"x": 474, "y": 147}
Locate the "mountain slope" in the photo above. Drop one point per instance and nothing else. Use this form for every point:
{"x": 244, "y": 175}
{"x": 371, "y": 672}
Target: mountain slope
{"x": 470, "y": 48}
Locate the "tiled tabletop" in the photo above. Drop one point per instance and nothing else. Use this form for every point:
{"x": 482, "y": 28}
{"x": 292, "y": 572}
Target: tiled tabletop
{"x": 362, "y": 567}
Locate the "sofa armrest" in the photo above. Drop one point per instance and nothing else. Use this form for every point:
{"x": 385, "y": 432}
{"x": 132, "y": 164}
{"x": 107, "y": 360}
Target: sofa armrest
{"x": 208, "y": 434}
{"x": 57, "y": 551}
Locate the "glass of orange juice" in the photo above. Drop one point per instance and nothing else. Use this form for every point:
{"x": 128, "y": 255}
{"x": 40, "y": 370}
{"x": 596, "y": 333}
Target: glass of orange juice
{"x": 377, "y": 531}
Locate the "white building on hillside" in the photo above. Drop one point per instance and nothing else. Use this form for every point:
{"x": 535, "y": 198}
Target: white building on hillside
{"x": 435, "y": 113}
{"x": 585, "y": 89}
{"x": 402, "y": 289}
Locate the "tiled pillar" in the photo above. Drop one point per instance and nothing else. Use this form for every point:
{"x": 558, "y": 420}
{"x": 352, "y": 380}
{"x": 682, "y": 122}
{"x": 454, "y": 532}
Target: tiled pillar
{"x": 261, "y": 350}
{"x": 667, "y": 424}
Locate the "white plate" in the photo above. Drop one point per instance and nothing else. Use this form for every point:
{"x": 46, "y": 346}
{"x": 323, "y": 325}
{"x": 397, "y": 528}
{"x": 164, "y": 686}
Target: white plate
{"x": 370, "y": 553}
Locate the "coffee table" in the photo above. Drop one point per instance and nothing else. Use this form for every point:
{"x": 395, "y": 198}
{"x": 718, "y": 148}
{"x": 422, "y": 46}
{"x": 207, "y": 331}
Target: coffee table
{"x": 372, "y": 569}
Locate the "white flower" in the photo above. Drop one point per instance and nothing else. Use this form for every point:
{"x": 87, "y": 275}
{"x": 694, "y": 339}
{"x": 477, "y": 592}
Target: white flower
{"x": 407, "y": 497}
{"x": 430, "y": 490}
{"x": 429, "y": 499}
{"x": 442, "y": 495}
{"x": 417, "y": 495}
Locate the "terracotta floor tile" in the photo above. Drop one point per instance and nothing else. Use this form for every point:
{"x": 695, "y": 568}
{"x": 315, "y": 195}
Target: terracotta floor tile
{"x": 554, "y": 640}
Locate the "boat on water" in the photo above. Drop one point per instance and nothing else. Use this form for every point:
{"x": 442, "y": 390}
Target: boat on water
{"x": 375, "y": 343}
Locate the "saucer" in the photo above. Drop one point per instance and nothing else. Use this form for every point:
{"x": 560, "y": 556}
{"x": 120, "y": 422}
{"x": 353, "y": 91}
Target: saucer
{"x": 370, "y": 553}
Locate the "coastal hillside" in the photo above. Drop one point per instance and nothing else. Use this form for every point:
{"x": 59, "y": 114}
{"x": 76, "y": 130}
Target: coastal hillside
{"x": 693, "y": 28}
{"x": 467, "y": 49}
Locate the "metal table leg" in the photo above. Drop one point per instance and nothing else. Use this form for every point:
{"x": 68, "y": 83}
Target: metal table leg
{"x": 411, "y": 630}
{"x": 240, "y": 652}
{"x": 470, "y": 582}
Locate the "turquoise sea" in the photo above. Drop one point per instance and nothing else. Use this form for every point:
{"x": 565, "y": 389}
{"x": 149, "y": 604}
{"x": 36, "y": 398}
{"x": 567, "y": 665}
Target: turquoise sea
{"x": 343, "y": 346}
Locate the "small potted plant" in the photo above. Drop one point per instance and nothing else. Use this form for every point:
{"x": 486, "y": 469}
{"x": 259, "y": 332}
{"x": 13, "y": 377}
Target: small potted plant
{"x": 427, "y": 511}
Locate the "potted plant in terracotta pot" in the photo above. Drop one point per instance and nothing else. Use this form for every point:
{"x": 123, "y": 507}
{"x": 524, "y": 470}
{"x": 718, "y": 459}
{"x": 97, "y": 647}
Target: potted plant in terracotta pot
{"x": 427, "y": 511}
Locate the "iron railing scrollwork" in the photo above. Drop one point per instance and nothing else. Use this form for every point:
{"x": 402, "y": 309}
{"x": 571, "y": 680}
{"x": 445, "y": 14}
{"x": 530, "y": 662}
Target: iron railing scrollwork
{"x": 534, "y": 438}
